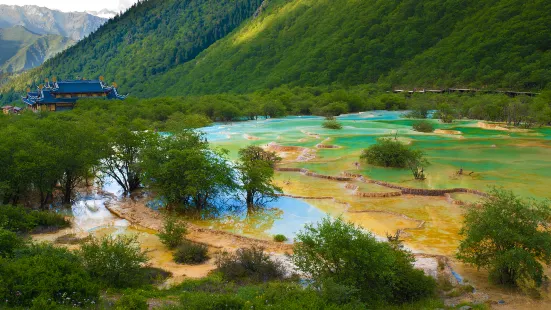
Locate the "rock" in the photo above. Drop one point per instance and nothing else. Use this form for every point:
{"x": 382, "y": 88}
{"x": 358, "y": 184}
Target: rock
{"x": 466, "y": 308}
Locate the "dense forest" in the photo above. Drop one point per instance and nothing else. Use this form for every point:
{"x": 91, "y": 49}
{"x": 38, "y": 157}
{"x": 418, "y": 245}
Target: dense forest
{"x": 182, "y": 47}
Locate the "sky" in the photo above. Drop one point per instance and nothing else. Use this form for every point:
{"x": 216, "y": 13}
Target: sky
{"x": 75, "y": 5}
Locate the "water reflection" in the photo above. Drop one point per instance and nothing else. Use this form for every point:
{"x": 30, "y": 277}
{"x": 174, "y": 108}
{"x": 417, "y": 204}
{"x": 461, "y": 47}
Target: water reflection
{"x": 284, "y": 216}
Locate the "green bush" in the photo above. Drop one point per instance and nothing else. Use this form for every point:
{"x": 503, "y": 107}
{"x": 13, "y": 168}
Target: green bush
{"x": 513, "y": 258}
{"x": 335, "y": 293}
{"x": 114, "y": 261}
{"x": 23, "y": 220}
{"x": 132, "y": 301}
{"x": 280, "y": 238}
{"x": 249, "y": 264}
{"x": 347, "y": 256}
{"x": 154, "y": 275}
{"x": 283, "y": 295}
{"x": 331, "y": 123}
{"x": 390, "y": 153}
{"x": 207, "y": 301}
{"x": 191, "y": 253}
{"x": 42, "y": 275}
{"x": 423, "y": 126}
{"x": 173, "y": 232}
{"x": 49, "y": 221}
{"x": 16, "y": 219}
{"x": 9, "y": 242}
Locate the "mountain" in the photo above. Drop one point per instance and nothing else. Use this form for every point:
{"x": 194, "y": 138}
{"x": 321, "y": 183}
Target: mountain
{"x": 105, "y": 13}
{"x": 23, "y": 49}
{"x": 408, "y": 43}
{"x": 185, "y": 47}
{"x": 74, "y": 25}
{"x": 149, "y": 39}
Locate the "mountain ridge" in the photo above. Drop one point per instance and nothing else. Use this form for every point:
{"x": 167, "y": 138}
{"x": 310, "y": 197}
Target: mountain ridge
{"x": 42, "y": 20}
{"x": 209, "y": 48}
{"x": 24, "y": 49}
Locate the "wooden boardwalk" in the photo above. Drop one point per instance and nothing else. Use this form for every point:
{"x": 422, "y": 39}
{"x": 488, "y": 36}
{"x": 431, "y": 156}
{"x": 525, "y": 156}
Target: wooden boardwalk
{"x": 464, "y": 90}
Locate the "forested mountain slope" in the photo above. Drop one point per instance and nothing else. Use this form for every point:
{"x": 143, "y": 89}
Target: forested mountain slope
{"x": 189, "y": 47}
{"x": 408, "y": 43}
{"x": 23, "y": 49}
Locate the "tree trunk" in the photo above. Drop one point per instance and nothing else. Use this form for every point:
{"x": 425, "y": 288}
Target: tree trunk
{"x": 250, "y": 199}
{"x": 134, "y": 183}
{"x": 68, "y": 190}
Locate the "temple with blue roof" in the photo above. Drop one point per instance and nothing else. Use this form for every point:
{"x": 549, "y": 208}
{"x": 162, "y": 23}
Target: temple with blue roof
{"x": 63, "y": 95}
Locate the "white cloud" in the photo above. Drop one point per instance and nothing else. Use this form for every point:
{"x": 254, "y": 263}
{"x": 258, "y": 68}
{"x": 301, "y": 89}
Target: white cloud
{"x": 76, "y": 5}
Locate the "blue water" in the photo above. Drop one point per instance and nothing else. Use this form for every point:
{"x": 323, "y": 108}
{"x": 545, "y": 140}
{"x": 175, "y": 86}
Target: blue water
{"x": 296, "y": 214}
{"x": 290, "y": 127}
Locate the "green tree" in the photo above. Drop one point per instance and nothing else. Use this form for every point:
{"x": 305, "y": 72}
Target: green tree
{"x": 445, "y": 112}
{"x": 340, "y": 252}
{"x": 419, "y": 110}
{"x": 508, "y": 236}
{"x": 187, "y": 173}
{"x": 273, "y": 109}
{"x": 423, "y": 126}
{"x": 256, "y": 172}
{"x": 81, "y": 149}
{"x": 180, "y": 121}
{"x": 391, "y": 153}
{"x": 124, "y": 148}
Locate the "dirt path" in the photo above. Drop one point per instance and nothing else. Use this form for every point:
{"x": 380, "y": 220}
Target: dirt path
{"x": 137, "y": 213}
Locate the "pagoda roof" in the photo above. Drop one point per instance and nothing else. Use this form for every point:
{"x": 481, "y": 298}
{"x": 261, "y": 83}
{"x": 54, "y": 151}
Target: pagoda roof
{"x": 49, "y": 93}
{"x": 80, "y": 86}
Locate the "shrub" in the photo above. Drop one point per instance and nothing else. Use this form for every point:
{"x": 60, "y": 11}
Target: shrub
{"x": 206, "y": 301}
{"x": 132, "y": 301}
{"x": 419, "y": 110}
{"x": 389, "y": 153}
{"x": 284, "y": 295}
{"x": 348, "y": 256}
{"x": 16, "y": 219}
{"x": 335, "y": 293}
{"x": 173, "y": 232}
{"x": 9, "y": 241}
{"x": 49, "y": 221}
{"x": 22, "y": 220}
{"x": 331, "y": 123}
{"x": 423, "y": 126}
{"x": 512, "y": 258}
{"x": 42, "y": 275}
{"x": 191, "y": 253}
{"x": 250, "y": 264}
{"x": 114, "y": 261}
{"x": 280, "y": 238}
{"x": 154, "y": 275}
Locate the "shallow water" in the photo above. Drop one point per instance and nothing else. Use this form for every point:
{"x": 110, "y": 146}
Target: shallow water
{"x": 519, "y": 161}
